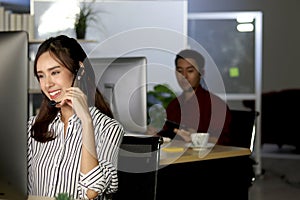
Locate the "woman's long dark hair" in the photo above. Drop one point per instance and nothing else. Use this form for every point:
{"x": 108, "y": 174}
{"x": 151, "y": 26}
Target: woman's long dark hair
{"x": 69, "y": 53}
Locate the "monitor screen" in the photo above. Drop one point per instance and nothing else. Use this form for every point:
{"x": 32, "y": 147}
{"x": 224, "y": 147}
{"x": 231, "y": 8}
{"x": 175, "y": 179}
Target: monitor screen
{"x": 14, "y": 111}
{"x": 122, "y": 81}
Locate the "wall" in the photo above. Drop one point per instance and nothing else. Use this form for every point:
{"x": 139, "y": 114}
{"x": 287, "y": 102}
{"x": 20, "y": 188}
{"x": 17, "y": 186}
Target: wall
{"x": 281, "y": 41}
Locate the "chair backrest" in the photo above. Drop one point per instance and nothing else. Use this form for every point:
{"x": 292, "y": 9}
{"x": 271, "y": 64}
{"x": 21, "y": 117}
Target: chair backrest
{"x": 243, "y": 128}
{"x": 137, "y": 167}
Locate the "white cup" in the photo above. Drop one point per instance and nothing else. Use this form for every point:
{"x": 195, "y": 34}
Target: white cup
{"x": 199, "y": 139}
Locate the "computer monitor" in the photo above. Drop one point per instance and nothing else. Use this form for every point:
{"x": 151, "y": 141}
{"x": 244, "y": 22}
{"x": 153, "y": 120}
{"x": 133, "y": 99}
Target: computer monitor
{"x": 122, "y": 81}
{"x": 13, "y": 118}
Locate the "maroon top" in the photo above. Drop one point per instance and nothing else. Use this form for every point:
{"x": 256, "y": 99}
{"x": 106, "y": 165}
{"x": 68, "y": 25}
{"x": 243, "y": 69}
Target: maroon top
{"x": 204, "y": 112}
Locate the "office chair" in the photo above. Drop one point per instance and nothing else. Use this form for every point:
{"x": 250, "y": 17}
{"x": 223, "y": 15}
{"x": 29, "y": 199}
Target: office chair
{"x": 243, "y": 134}
{"x": 137, "y": 168}
{"x": 243, "y": 128}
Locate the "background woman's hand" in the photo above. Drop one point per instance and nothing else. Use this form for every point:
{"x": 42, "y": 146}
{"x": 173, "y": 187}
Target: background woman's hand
{"x": 184, "y": 134}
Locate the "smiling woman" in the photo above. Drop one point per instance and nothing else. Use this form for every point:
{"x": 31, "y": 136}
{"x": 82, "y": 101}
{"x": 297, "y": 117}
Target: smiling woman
{"x": 73, "y": 145}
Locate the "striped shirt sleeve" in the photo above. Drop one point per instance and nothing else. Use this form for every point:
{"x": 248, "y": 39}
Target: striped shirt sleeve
{"x": 103, "y": 178}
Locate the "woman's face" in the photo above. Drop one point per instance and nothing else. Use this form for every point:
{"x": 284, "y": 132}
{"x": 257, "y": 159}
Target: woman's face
{"x": 187, "y": 75}
{"x": 54, "y": 78}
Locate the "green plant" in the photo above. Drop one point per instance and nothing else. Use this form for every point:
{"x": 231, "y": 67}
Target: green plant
{"x": 63, "y": 196}
{"x": 157, "y": 101}
{"x": 82, "y": 19}
{"x": 161, "y": 94}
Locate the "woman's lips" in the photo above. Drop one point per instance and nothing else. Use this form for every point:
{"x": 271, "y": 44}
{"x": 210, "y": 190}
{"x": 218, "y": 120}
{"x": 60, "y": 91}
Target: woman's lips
{"x": 54, "y": 94}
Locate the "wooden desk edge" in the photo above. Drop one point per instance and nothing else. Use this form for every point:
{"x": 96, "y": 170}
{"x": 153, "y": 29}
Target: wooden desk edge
{"x": 217, "y": 152}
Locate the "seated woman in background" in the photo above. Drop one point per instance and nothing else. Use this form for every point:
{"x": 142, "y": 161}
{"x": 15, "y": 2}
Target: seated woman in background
{"x": 196, "y": 109}
{"x": 73, "y": 142}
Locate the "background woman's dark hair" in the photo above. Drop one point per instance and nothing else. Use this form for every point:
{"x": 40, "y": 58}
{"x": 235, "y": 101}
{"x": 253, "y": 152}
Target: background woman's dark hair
{"x": 69, "y": 53}
{"x": 190, "y": 53}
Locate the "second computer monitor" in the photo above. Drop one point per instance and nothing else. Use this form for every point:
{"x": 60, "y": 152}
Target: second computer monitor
{"x": 123, "y": 83}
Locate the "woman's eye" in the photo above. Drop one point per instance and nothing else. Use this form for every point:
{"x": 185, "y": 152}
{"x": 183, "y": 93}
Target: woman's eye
{"x": 55, "y": 72}
{"x": 39, "y": 76}
{"x": 191, "y": 70}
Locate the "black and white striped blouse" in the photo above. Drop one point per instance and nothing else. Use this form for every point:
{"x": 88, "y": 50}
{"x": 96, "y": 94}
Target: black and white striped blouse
{"x": 54, "y": 166}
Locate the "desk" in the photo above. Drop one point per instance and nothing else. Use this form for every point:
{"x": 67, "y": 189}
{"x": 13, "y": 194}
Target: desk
{"x": 224, "y": 173}
{"x": 217, "y": 152}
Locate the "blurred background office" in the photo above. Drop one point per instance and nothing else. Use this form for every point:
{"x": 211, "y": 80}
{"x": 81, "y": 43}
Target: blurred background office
{"x": 280, "y": 68}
